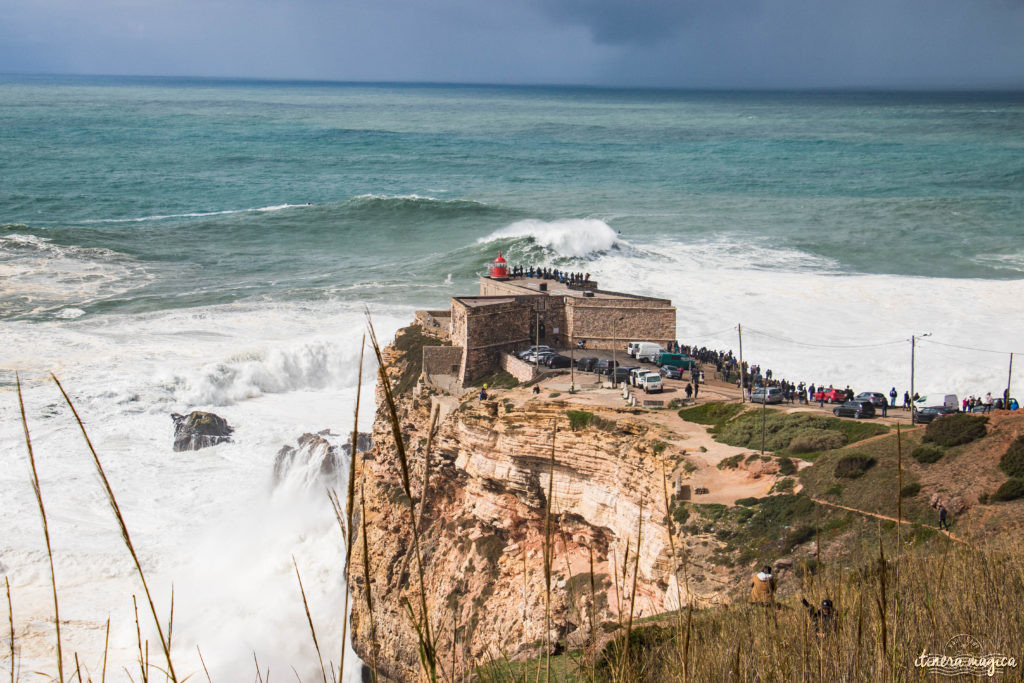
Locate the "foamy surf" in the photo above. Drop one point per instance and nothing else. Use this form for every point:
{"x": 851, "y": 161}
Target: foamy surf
{"x": 573, "y": 237}
{"x": 194, "y": 214}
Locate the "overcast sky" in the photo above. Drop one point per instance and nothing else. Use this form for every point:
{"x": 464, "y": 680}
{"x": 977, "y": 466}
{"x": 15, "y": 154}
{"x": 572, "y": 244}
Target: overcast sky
{"x": 674, "y": 43}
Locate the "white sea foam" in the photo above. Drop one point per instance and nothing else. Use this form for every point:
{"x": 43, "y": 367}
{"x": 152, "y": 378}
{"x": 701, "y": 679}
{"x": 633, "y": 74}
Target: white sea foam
{"x": 808, "y": 321}
{"x": 574, "y": 237}
{"x": 69, "y": 313}
{"x": 195, "y": 214}
{"x": 210, "y": 521}
{"x": 1013, "y": 261}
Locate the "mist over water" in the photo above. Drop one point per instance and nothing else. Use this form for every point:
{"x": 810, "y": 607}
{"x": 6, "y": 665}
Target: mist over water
{"x": 167, "y": 246}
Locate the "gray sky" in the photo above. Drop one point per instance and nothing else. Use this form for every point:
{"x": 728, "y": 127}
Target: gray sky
{"x": 685, "y": 43}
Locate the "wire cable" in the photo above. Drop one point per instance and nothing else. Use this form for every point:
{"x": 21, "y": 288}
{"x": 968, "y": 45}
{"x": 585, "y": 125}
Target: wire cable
{"x": 825, "y": 346}
{"x": 968, "y": 348}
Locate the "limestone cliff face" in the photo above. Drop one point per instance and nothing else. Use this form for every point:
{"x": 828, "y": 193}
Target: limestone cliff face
{"x": 482, "y": 529}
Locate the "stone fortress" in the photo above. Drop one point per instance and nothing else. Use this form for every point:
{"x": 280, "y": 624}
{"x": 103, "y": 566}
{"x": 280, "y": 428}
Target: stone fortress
{"x": 513, "y": 312}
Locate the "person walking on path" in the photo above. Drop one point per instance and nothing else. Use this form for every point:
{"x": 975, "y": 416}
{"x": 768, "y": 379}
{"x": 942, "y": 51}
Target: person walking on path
{"x": 892, "y": 397}
{"x": 762, "y": 587}
{"x": 942, "y": 518}
{"x": 885, "y": 409}
{"x": 906, "y": 400}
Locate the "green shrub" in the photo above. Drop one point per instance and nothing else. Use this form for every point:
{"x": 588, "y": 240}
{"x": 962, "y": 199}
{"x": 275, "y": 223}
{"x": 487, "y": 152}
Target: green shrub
{"x": 811, "y": 440}
{"x": 926, "y": 454}
{"x": 834, "y": 490}
{"x": 1012, "y": 462}
{"x": 798, "y": 535}
{"x": 784, "y": 485}
{"x": 747, "y": 502}
{"x": 910, "y": 490}
{"x": 579, "y": 419}
{"x": 983, "y": 499}
{"x": 781, "y": 429}
{"x": 554, "y": 394}
{"x": 955, "y": 429}
{"x": 714, "y": 413}
{"x": 786, "y": 466}
{"x": 681, "y": 513}
{"x": 1012, "y": 489}
{"x": 854, "y": 465}
{"x": 732, "y": 462}
{"x": 659, "y": 447}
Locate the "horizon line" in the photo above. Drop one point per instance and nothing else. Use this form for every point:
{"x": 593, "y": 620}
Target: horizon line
{"x": 920, "y": 89}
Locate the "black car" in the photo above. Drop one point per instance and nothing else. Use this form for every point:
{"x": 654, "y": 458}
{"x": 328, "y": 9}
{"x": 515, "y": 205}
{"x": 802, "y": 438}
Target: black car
{"x": 586, "y": 364}
{"x": 622, "y": 374}
{"x": 854, "y": 409}
{"x": 929, "y": 413}
{"x": 558, "y": 361}
{"x": 603, "y": 367}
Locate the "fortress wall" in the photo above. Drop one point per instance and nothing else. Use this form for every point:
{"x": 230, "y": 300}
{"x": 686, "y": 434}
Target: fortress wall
{"x": 607, "y": 323}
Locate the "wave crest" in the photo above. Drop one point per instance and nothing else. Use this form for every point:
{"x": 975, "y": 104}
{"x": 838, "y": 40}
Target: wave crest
{"x": 573, "y": 237}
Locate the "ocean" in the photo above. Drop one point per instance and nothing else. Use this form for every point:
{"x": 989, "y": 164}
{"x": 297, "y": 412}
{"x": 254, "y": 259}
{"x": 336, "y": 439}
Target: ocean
{"x": 169, "y": 245}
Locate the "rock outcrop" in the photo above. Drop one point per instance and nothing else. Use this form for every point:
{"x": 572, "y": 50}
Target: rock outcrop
{"x": 199, "y": 430}
{"x": 482, "y": 532}
{"x": 316, "y": 456}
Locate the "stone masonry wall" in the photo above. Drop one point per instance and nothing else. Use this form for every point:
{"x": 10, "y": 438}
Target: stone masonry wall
{"x": 442, "y": 360}
{"x": 605, "y": 323}
{"x": 521, "y": 370}
{"x": 487, "y": 332}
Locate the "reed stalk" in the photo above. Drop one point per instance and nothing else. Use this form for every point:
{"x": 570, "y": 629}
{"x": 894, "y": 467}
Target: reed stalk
{"x": 347, "y": 527}
{"x": 10, "y": 623}
{"x": 203, "y": 663}
{"x": 106, "y": 649}
{"x": 548, "y": 556}
{"x": 46, "y": 529}
{"x": 366, "y": 578}
{"x": 636, "y": 574}
{"x": 125, "y": 536}
{"x": 428, "y": 653}
{"x": 309, "y": 620}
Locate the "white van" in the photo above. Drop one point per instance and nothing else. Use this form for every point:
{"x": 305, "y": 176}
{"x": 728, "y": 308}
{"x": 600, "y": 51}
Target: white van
{"x": 636, "y": 375}
{"x": 631, "y": 348}
{"x": 651, "y": 382}
{"x": 648, "y": 352}
{"x": 937, "y": 398}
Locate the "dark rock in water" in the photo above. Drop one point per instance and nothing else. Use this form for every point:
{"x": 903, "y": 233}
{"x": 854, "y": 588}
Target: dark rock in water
{"x": 316, "y": 455}
{"x": 199, "y": 430}
{"x": 364, "y": 442}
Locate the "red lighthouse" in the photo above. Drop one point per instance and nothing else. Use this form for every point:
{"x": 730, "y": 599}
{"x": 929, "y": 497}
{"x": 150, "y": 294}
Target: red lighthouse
{"x": 499, "y": 269}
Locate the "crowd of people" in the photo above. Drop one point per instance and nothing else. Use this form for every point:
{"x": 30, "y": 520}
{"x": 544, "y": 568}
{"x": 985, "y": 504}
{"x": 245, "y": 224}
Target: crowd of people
{"x": 562, "y": 276}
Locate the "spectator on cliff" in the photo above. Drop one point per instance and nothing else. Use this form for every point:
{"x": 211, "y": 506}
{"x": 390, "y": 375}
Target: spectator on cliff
{"x": 988, "y": 402}
{"x": 483, "y": 393}
{"x": 943, "y": 513}
{"x": 892, "y": 396}
{"x": 689, "y": 391}
{"x": 762, "y": 587}
{"x": 536, "y": 389}
{"x": 906, "y": 400}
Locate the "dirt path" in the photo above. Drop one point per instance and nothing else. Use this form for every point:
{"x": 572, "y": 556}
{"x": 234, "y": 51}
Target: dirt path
{"x": 880, "y": 516}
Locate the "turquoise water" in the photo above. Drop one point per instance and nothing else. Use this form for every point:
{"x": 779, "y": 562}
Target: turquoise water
{"x": 162, "y": 176}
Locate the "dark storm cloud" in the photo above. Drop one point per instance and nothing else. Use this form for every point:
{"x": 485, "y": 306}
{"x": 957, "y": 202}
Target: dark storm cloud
{"x": 686, "y": 43}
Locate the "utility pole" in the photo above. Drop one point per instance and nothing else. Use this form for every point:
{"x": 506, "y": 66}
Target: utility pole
{"x": 1009, "y": 380}
{"x": 913, "y": 404}
{"x": 743, "y": 373}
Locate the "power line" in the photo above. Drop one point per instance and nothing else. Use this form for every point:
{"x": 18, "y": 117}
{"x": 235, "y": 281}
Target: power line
{"x": 827, "y": 346}
{"x": 968, "y": 348}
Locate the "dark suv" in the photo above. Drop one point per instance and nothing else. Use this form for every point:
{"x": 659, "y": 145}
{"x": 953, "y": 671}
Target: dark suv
{"x": 603, "y": 367}
{"x": 854, "y": 409}
{"x": 586, "y": 364}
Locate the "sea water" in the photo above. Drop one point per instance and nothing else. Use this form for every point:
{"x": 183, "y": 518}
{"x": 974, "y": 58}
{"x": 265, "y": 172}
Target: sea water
{"x": 172, "y": 245}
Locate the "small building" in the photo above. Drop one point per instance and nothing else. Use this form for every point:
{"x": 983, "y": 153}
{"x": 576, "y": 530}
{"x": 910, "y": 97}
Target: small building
{"x": 513, "y": 311}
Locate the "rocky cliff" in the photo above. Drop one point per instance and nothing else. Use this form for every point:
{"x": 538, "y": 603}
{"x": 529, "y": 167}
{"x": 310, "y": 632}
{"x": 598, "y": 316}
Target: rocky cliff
{"x": 482, "y": 532}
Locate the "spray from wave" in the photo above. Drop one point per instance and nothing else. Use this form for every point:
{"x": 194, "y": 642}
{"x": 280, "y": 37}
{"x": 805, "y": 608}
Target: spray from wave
{"x": 573, "y": 238}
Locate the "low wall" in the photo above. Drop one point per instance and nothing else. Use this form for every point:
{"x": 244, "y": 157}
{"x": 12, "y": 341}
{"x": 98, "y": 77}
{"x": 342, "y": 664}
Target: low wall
{"x": 520, "y": 369}
{"x": 441, "y": 360}
{"x": 437, "y": 322}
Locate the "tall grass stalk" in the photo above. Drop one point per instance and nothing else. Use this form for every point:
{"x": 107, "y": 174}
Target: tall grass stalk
{"x": 366, "y": 578}
{"x": 346, "y": 528}
{"x": 675, "y": 560}
{"x": 309, "y": 620}
{"x": 46, "y": 530}
{"x": 10, "y": 623}
{"x": 427, "y": 644}
{"x": 106, "y": 649}
{"x": 548, "y": 556}
{"x": 636, "y": 574}
{"x": 125, "y": 536}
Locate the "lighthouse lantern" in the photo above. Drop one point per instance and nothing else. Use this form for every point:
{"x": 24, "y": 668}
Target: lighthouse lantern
{"x": 499, "y": 269}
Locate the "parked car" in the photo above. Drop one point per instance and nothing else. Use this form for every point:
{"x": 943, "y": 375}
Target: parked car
{"x": 680, "y": 360}
{"x": 877, "y": 399}
{"x": 631, "y": 348}
{"x": 604, "y": 366}
{"x": 539, "y": 357}
{"x": 671, "y": 372}
{"x": 766, "y": 395}
{"x": 533, "y": 349}
{"x": 558, "y": 361}
{"x": 854, "y": 408}
{"x": 651, "y": 382}
{"x": 923, "y": 416}
{"x": 622, "y": 374}
{"x": 830, "y": 395}
{"x": 648, "y": 352}
{"x": 586, "y": 364}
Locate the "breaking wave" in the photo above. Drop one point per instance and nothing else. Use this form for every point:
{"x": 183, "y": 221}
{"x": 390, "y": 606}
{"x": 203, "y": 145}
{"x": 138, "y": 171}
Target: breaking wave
{"x": 573, "y": 237}
{"x": 196, "y": 214}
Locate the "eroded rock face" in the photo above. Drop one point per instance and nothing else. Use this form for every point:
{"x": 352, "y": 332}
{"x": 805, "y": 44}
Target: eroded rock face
{"x": 199, "y": 430}
{"x": 316, "y": 455}
{"x": 482, "y": 533}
